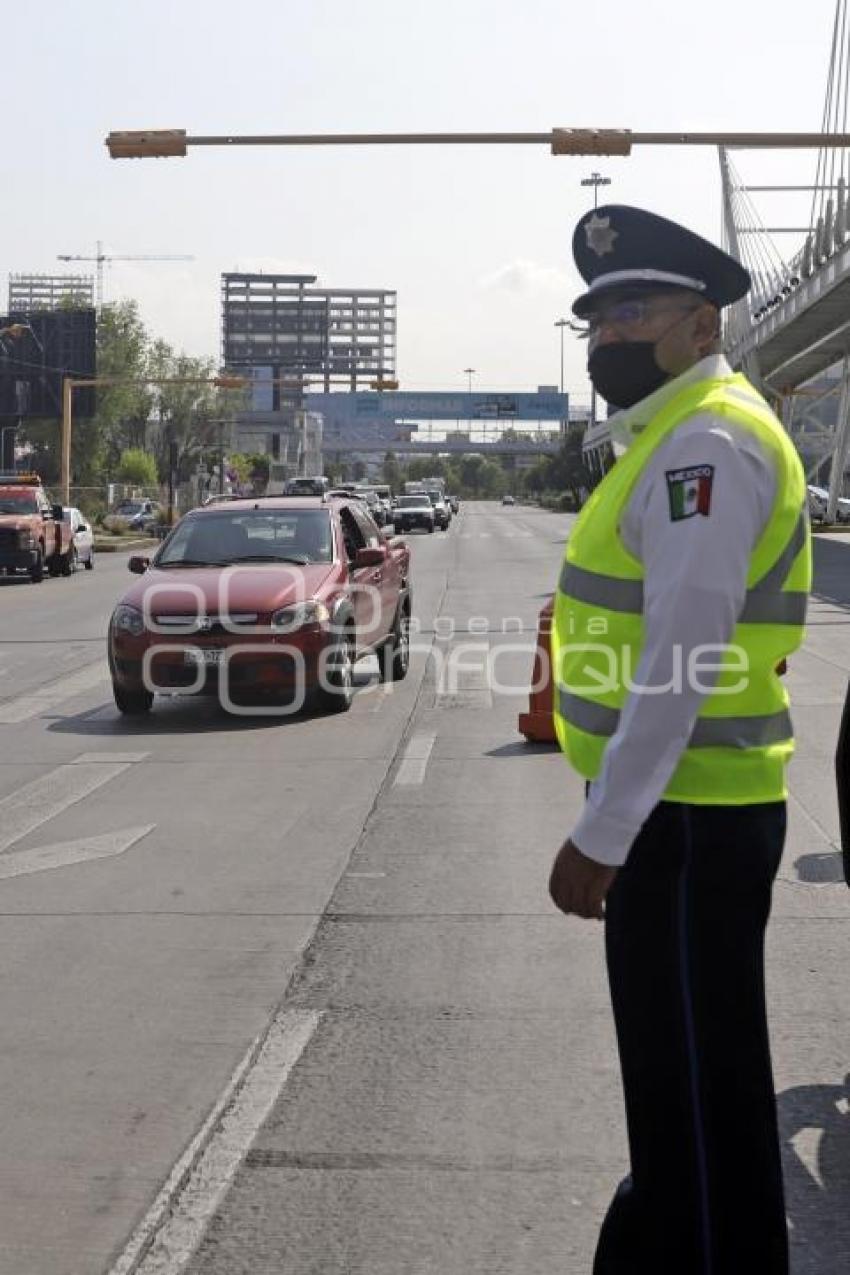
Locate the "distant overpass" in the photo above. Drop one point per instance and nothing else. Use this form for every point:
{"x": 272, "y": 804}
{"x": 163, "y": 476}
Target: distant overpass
{"x": 547, "y": 445}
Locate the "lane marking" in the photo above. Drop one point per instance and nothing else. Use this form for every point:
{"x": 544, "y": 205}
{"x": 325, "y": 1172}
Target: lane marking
{"x": 415, "y": 760}
{"x": 174, "y": 1226}
{"x": 43, "y": 799}
{"x": 24, "y": 707}
{"x": 21, "y": 863}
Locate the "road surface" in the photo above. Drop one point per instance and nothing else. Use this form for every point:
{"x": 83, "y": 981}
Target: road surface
{"x": 290, "y": 992}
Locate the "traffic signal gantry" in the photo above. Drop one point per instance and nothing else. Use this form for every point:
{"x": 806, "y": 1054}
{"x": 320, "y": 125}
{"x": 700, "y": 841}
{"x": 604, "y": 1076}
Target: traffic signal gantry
{"x": 169, "y": 142}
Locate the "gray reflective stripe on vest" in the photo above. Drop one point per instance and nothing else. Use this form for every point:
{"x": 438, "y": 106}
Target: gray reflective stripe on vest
{"x": 708, "y": 732}
{"x": 774, "y": 608}
{"x": 773, "y": 580}
{"x": 765, "y": 603}
{"x": 611, "y": 592}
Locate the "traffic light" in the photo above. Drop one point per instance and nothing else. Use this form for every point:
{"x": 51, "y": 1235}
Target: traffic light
{"x": 158, "y": 143}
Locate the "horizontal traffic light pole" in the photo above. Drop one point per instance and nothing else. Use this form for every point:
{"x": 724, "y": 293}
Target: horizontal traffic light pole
{"x": 162, "y": 143}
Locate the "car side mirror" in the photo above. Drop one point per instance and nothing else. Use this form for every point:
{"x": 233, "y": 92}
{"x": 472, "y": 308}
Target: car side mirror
{"x": 137, "y": 565}
{"x": 57, "y": 512}
{"x": 369, "y": 557}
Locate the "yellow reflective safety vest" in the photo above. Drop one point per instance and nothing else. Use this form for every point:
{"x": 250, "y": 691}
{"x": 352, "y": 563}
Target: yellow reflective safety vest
{"x": 742, "y": 740}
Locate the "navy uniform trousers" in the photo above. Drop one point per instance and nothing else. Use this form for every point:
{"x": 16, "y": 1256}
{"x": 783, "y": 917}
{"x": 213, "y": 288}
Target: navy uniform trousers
{"x": 684, "y": 932}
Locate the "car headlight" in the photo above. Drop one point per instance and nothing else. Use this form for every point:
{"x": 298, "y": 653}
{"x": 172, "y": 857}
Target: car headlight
{"x": 295, "y": 617}
{"x": 26, "y": 540}
{"x": 127, "y": 619}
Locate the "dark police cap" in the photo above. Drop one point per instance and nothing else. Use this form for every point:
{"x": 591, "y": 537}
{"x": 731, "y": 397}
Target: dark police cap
{"x": 629, "y": 248}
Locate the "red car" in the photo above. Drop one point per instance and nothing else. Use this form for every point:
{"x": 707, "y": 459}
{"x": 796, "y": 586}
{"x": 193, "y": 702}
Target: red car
{"x": 263, "y": 596}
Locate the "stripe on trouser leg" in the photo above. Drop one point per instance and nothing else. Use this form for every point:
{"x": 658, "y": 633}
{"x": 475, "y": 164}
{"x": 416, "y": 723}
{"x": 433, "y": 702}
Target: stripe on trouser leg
{"x": 685, "y": 973}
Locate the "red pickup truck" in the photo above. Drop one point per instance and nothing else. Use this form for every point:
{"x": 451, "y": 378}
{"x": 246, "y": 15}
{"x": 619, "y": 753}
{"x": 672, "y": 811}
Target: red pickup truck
{"x": 34, "y": 536}
{"x": 263, "y": 596}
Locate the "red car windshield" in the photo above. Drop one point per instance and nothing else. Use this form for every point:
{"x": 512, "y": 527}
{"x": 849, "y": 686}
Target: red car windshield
{"x": 18, "y": 502}
{"x": 252, "y": 535}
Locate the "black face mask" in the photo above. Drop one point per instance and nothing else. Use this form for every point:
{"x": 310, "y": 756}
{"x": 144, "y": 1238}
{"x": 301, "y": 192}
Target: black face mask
{"x": 625, "y": 372}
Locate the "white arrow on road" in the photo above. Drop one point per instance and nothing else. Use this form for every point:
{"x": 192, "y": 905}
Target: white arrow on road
{"x": 19, "y": 863}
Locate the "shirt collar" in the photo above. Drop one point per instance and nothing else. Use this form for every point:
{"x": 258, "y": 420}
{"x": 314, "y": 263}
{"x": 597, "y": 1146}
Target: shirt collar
{"x": 628, "y": 424}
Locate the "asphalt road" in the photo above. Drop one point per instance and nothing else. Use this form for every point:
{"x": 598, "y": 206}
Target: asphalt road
{"x": 296, "y": 986}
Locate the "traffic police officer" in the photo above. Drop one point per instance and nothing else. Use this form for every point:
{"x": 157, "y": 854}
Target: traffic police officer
{"x": 683, "y": 587}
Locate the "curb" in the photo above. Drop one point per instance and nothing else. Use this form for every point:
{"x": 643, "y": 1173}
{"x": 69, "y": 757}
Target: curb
{"x": 118, "y": 544}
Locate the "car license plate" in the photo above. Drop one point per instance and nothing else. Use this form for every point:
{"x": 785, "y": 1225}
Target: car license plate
{"x": 198, "y": 655}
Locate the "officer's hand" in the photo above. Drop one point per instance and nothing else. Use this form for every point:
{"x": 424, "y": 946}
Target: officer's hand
{"x": 579, "y": 884}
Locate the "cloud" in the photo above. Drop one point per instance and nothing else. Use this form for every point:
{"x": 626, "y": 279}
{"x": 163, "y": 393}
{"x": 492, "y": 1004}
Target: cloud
{"x": 523, "y": 276}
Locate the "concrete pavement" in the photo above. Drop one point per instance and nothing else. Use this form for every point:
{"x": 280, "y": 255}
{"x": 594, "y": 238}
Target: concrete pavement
{"x": 455, "y": 1106}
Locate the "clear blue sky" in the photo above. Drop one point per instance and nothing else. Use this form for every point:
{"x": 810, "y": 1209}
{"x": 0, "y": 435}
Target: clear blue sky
{"x": 476, "y": 241}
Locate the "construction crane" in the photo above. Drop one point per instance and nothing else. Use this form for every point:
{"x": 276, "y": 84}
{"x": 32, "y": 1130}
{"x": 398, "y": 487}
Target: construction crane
{"x": 100, "y": 257}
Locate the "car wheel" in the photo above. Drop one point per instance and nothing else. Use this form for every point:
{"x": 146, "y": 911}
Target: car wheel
{"x": 337, "y": 695}
{"x": 132, "y": 703}
{"x": 394, "y": 655}
{"x": 89, "y": 563}
{"x": 37, "y": 570}
{"x": 69, "y": 562}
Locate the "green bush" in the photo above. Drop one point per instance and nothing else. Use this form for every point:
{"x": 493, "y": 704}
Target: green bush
{"x": 137, "y": 467}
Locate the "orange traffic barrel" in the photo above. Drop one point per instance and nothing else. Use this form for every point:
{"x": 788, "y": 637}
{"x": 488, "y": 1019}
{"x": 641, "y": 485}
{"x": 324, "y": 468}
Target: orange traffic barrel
{"x": 537, "y": 725}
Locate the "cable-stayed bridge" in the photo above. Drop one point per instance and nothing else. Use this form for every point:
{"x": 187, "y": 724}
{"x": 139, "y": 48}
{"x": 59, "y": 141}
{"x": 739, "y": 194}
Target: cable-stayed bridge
{"x": 791, "y": 335}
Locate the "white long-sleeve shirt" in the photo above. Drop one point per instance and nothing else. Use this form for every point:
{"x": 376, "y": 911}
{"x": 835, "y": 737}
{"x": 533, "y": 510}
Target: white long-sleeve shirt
{"x": 694, "y": 588}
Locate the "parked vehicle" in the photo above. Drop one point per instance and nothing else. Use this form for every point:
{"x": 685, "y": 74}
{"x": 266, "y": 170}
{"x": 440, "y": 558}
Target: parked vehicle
{"x": 33, "y": 534}
{"x": 412, "y": 512}
{"x": 508, "y": 499}
{"x": 82, "y": 539}
{"x": 818, "y": 498}
{"x": 139, "y": 514}
{"x": 442, "y": 512}
{"x": 318, "y": 586}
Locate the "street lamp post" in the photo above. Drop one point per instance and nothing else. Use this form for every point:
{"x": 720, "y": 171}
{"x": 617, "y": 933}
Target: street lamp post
{"x": 596, "y": 180}
{"x": 470, "y": 372}
{"x": 562, "y": 323}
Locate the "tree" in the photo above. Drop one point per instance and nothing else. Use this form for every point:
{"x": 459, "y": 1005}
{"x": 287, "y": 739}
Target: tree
{"x": 425, "y": 467}
{"x": 137, "y": 467}
{"x": 470, "y": 474}
{"x": 188, "y": 405}
{"x": 123, "y": 410}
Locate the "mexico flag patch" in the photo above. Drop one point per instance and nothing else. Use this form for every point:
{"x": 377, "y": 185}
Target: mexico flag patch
{"x": 689, "y": 491}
